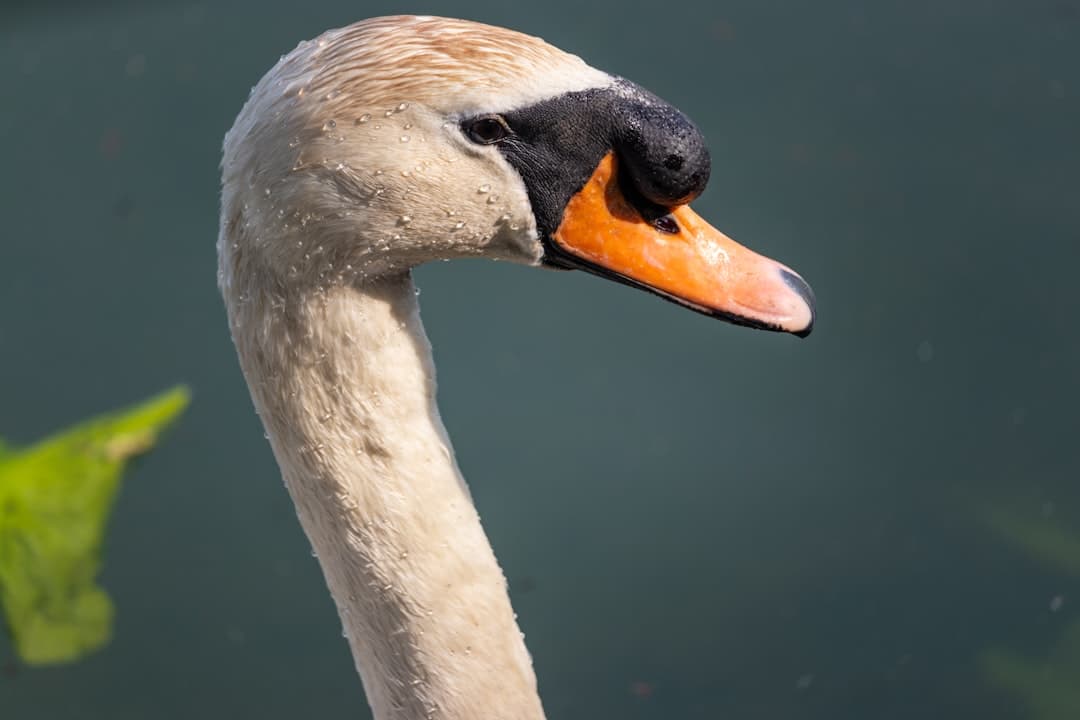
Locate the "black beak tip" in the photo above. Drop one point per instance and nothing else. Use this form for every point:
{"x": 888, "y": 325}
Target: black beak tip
{"x": 804, "y": 291}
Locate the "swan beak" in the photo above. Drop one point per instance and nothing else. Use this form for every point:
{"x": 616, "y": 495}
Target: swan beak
{"x": 680, "y": 257}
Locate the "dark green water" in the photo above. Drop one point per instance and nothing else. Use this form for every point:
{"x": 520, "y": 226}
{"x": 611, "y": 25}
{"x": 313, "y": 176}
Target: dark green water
{"x": 698, "y": 521}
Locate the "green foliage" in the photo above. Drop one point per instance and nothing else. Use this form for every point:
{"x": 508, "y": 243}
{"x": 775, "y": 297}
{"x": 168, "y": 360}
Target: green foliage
{"x": 1048, "y": 542}
{"x": 55, "y": 499}
{"x": 1050, "y": 686}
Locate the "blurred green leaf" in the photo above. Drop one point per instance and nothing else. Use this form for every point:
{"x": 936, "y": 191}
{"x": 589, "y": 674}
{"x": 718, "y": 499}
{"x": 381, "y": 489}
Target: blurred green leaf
{"x": 1046, "y": 540}
{"x": 1050, "y": 688}
{"x": 55, "y": 499}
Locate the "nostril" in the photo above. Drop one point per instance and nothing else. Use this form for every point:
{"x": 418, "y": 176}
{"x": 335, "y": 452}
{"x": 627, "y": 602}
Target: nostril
{"x": 667, "y": 224}
{"x": 674, "y": 162}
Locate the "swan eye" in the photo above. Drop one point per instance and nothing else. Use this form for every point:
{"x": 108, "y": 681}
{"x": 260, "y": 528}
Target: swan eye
{"x": 487, "y": 130}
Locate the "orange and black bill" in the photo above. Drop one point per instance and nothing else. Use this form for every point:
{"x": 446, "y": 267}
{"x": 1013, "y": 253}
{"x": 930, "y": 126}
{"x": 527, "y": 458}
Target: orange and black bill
{"x": 680, "y": 257}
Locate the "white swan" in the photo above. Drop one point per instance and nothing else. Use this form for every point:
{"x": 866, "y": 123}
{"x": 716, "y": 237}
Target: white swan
{"x": 393, "y": 142}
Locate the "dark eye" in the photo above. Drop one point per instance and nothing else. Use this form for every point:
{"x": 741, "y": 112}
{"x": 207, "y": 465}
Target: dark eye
{"x": 487, "y": 130}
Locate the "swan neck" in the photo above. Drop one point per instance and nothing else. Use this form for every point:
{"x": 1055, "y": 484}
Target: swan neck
{"x": 344, "y": 382}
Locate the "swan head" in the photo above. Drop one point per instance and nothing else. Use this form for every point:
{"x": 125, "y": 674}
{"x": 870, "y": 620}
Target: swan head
{"x": 400, "y": 140}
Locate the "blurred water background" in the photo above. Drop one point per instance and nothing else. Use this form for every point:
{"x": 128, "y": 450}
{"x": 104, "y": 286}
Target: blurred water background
{"x": 698, "y": 521}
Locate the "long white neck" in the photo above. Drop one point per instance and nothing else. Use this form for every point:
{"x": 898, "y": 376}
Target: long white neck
{"x": 344, "y": 382}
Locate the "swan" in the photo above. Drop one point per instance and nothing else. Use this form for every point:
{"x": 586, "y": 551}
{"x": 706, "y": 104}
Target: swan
{"x": 389, "y": 143}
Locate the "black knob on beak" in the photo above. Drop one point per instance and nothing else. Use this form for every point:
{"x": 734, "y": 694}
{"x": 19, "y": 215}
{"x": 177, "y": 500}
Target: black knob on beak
{"x": 662, "y": 152}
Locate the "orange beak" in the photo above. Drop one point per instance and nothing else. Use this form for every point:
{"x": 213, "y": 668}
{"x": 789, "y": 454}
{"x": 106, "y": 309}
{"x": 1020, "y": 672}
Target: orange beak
{"x": 680, "y": 257}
